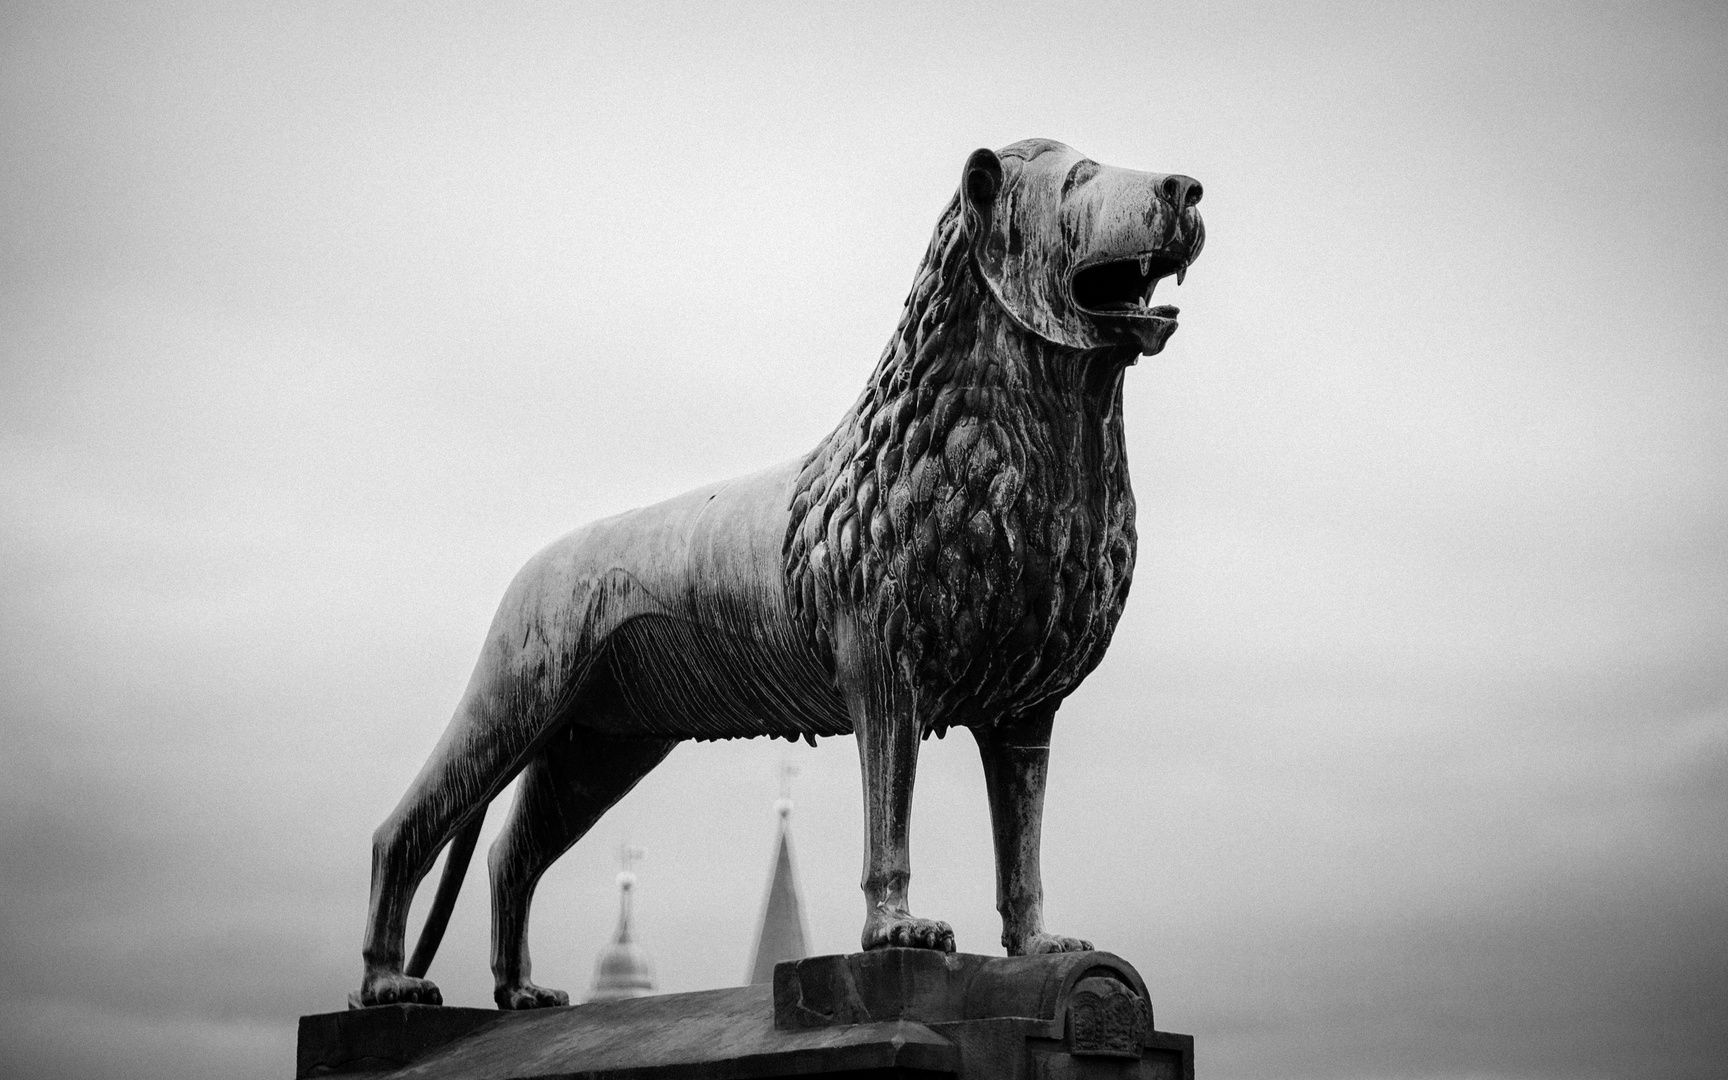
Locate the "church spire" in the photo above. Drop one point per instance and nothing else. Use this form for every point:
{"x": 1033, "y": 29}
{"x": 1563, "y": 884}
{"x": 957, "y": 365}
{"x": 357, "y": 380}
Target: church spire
{"x": 781, "y": 936}
{"x": 622, "y": 969}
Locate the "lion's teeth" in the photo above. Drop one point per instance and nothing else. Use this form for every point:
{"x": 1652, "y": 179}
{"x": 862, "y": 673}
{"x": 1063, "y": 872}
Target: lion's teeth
{"x": 1145, "y": 265}
{"x": 1181, "y": 273}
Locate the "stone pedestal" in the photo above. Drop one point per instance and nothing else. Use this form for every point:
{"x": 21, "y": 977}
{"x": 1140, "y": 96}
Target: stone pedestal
{"x": 893, "y": 1013}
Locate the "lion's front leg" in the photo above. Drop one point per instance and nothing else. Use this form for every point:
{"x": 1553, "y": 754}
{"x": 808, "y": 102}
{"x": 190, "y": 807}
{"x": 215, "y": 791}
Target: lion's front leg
{"x": 888, "y": 735}
{"x": 888, "y": 752}
{"x": 1016, "y": 759}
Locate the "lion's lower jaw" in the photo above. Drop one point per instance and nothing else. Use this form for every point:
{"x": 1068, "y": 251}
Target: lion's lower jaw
{"x": 1153, "y": 336}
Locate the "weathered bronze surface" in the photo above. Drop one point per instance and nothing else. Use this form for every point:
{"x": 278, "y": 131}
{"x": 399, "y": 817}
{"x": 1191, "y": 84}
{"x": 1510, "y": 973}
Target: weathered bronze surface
{"x": 955, "y": 554}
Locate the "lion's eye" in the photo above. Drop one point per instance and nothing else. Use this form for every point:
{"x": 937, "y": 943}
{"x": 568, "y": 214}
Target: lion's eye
{"x": 1078, "y": 173}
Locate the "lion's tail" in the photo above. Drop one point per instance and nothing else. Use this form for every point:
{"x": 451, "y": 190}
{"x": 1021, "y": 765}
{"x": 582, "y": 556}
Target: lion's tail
{"x": 455, "y": 867}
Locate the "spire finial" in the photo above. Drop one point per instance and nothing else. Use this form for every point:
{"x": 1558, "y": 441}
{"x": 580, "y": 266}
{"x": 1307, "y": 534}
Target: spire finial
{"x": 628, "y": 856}
{"x": 783, "y": 805}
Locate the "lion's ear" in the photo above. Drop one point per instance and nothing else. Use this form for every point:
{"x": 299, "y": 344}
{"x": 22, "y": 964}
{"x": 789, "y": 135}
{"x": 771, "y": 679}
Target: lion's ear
{"x": 979, "y": 183}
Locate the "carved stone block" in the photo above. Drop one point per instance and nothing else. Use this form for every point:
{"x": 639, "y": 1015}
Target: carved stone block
{"x": 1107, "y": 1019}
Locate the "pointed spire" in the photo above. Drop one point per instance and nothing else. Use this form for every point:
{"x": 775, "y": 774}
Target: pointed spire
{"x": 781, "y": 936}
{"x": 622, "y": 969}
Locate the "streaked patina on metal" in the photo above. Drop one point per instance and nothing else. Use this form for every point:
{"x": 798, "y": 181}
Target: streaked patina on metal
{"x": 955, "y": 554}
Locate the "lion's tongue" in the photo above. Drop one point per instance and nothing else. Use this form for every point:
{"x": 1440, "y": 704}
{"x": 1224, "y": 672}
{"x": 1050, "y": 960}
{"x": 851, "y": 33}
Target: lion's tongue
{"x": 1165, "y": 311}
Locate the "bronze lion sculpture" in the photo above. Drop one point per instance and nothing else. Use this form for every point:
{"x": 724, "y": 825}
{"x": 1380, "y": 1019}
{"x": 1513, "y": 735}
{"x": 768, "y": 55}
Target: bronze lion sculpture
{"x": 955, "y": 554}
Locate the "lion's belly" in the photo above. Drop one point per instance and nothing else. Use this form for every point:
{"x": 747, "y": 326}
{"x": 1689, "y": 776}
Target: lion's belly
{"x": 674, "y": 676}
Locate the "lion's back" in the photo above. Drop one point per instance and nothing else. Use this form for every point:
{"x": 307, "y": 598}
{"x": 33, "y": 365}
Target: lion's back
{"x": 672, "y": 620}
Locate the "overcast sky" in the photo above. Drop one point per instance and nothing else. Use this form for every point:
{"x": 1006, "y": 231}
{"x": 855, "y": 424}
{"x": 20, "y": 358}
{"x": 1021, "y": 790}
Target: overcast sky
{"x": 1410, "y": 758}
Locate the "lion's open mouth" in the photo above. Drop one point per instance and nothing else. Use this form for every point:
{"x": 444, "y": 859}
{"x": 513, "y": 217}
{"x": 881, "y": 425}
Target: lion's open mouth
{"x": 1125, "y": 286}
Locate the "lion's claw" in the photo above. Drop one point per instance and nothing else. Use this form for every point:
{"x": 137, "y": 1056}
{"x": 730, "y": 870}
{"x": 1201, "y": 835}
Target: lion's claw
{"x": 529, "y": 996}
{"x": 398, "y": 989}
{"x": 904, "y": 931}
{"x": 1036, "y": 944}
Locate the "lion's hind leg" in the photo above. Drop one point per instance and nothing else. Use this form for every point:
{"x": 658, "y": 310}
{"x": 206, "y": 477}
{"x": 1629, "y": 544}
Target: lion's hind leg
{"x": 576, "y": 778}
{"x": 478, "y": 754}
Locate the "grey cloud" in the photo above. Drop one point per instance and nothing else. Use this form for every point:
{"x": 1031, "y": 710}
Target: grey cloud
{"x": 1409, "y": 758}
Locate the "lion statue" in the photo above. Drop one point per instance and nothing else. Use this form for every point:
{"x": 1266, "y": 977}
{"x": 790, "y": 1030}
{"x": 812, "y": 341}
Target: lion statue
{"x": 955, "y": 554}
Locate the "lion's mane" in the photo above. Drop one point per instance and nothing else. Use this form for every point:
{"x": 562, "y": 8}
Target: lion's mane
{"x": 972, "y": 509}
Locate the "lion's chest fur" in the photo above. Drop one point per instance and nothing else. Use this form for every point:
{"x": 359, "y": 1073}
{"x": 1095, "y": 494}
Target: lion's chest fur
{"x": 999, "y": 559}
{"x": 974, "y": 512}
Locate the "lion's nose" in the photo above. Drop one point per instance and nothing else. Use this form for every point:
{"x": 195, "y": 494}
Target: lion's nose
{"x": 1180, "y": 191}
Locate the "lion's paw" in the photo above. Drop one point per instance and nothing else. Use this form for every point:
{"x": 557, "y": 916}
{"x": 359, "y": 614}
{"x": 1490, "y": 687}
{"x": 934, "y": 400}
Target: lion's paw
{"x": 395, "y": 988}
{"x": 900, "y": 930}
{"x": 1036, "y": 944}
{"x": 529, "y": 996}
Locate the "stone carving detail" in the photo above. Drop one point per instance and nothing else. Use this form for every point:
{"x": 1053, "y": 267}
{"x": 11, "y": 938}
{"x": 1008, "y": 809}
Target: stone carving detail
{"x": 1106, "y": 1018}
{"x": 956, "y": 553}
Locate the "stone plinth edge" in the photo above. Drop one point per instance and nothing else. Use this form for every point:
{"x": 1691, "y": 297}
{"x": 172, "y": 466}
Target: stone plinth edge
{"x": 932, "y": 987}
{"x": 384, "y": 1037}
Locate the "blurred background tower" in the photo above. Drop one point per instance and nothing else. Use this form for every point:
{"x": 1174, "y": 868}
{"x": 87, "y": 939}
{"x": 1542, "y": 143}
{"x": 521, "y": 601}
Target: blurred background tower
{"x": 781, "y": 936}
{"x": 622, "y": 969}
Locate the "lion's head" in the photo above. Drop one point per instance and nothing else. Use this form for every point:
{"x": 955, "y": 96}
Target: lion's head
{"x": 1073, "y": 249}
{"x": 973, "y": 507}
